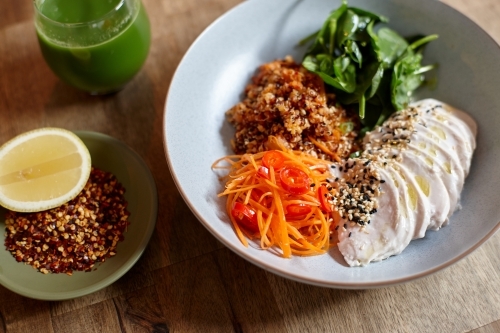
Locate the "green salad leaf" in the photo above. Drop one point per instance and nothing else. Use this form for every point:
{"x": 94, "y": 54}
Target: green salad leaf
{"x": 374, "y": 70}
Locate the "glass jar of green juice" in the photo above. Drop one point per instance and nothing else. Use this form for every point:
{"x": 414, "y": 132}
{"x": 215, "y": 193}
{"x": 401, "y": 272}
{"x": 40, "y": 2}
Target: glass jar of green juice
{"x": 93, "y": 45}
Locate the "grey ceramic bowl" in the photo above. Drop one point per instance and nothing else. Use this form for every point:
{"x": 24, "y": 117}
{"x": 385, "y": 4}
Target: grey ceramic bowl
{"x": 211, "y": 78}
{"x": 112, "y": 155}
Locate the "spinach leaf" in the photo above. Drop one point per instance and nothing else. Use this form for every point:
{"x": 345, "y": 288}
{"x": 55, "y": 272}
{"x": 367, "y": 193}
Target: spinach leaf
{"x": 347, "y": 26}
{"x": 375, "y": 81}
{"x": 336, "y": 73}
{"x": 379, "y": 107}
{"x": 390, "y": 46}
{"x": 367, "y": 85}
{"x": 373, "y": 70}
{"x": 408, "y": 73}
{"x": 353, "y": 50}
{"x": 371, "y": 16}
{"x": 324, "y": 41}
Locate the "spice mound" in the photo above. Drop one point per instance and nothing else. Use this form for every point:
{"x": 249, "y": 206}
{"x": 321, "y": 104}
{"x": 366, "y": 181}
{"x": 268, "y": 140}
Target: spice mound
{"x": 74, "y": 236}
{"x": 287, "y": 101}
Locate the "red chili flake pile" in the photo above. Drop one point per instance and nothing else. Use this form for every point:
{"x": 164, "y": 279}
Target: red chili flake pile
{"x": 74, "y": 236}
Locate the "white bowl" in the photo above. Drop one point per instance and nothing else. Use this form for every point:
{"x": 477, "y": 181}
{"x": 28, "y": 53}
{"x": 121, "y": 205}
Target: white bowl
{"x": 211, "y": 78}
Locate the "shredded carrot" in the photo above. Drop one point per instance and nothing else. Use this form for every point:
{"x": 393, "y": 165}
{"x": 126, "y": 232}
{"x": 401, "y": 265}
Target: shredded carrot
{"x": 325, "y": 149}
{"x": 303, "y": 235}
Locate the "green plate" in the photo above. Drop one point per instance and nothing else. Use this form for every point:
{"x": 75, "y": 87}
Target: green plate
{"x": 114, "y": 156}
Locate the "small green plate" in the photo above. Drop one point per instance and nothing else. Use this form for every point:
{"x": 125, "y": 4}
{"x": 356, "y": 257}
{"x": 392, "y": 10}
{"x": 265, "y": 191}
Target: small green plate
{"x": 112, "y": 155}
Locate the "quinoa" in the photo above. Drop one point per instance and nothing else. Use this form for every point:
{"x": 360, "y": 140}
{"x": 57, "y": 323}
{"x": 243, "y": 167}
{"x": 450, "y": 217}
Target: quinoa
{"x": 74, "y": 236}
{"x": 287, "y": 101}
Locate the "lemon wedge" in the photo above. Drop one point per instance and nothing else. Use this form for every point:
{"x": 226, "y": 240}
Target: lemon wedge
{"x": 42, "y": 169}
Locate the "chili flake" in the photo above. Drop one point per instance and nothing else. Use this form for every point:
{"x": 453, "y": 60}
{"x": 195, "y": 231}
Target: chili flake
{"x": 74, "y": 236}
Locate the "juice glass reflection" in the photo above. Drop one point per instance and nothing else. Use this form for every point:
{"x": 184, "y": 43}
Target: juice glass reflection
{"x": 94, "y": 45}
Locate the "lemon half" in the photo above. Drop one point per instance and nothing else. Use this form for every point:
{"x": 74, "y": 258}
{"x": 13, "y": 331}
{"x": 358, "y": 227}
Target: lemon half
{"x": 42, "y": 169}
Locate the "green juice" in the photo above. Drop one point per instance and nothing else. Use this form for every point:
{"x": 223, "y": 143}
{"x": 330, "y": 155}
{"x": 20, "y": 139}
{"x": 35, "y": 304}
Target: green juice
{"x": 99, "y": 57}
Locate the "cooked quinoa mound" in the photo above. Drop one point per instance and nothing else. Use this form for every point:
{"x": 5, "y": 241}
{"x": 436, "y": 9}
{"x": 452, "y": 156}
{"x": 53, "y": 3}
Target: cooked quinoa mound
{"x": 287, "y": 101}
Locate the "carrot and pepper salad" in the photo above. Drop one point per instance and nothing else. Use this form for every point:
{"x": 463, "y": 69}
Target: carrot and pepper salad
{"x": 282, "y": 197}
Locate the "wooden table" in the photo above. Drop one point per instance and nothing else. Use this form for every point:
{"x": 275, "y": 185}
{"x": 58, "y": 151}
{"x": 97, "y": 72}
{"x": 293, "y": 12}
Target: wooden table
{"x": 186, "y": 280}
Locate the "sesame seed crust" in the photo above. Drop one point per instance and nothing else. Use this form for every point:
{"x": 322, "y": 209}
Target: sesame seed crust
{"x": 358, "y": 186}
{"x": 74, "y": 236}
{"x": 356, "y": 192}
{"x": 395, "y": 135}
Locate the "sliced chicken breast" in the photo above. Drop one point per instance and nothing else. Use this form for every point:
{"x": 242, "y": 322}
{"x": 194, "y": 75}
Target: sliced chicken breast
{"x": 423, "y": 156}
{"x": 390, "y": 229}
{"x": 418, "y": 202}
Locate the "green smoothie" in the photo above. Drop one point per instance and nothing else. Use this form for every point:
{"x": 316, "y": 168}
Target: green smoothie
{"x": 101, "y": 56}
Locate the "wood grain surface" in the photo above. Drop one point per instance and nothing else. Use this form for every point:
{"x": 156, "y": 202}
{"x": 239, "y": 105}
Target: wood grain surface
{"x": 186, "y": 281}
